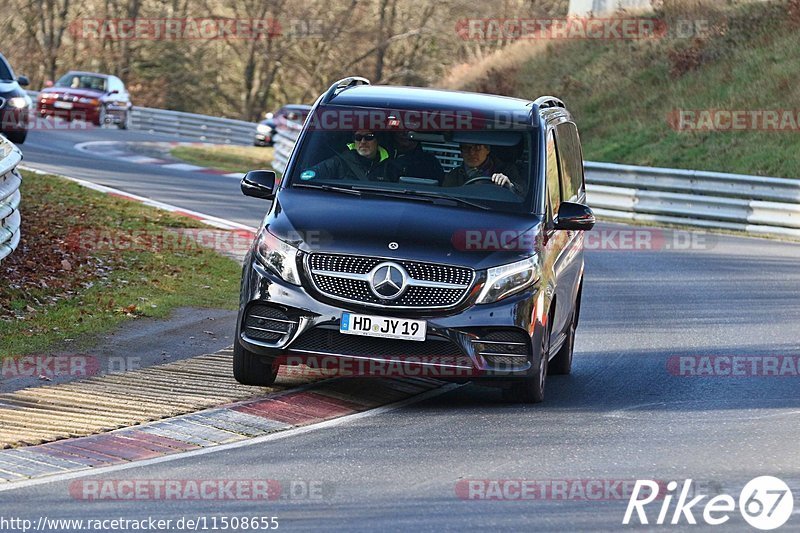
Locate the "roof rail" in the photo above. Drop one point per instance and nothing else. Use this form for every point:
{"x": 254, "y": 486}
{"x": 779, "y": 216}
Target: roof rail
{"x": 343, "y": 84}
{"x": 549, "y": 101}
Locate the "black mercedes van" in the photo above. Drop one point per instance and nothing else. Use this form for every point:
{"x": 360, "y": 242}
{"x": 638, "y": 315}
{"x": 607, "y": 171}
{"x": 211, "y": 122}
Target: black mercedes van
{"x": 420, "y": 232}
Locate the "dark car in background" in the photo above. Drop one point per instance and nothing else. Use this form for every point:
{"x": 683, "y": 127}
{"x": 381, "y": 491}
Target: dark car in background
{"x": 478, "y": 278}
{"x": 89, "y": 96}
{"x": 266, "y": 128}
{"x": 15, "y": 104}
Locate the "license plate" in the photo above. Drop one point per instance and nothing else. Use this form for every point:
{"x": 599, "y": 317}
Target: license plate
{"x": 383, "y": 327}
{"x": 62, "y": 105}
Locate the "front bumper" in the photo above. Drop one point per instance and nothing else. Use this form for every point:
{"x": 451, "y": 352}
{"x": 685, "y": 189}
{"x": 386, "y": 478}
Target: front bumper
{"x": 291, "y": 325}
{"x": 78, "y": 111}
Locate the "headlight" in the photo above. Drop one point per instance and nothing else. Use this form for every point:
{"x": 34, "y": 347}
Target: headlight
{"x": 93, "y": 101}
{"x": 278, "y": 256}
{"x": 506, "y": 280}
{"x": 18, "y": 101}
{"x": 263, "y": 128}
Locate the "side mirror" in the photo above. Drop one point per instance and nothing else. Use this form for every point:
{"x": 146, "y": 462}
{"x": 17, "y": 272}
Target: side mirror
{"x": 572, "y": 216}
{"x": 259, "y": 184}
{"x": 23, "y": 81}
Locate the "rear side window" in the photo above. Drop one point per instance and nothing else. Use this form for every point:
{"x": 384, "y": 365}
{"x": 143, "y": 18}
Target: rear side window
{"x": 553, "y": 185}
{"x": 571, "y": 160}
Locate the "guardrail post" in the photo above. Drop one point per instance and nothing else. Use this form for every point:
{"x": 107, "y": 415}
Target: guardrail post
{"x": 10, "y": 180}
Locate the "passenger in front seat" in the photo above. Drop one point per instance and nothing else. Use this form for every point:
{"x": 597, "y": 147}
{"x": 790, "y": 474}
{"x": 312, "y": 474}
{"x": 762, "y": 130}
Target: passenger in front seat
{"x": 363, "y": 160}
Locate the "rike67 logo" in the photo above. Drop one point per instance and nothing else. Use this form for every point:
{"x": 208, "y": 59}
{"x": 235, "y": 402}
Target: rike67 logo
{"x": 765, "y": 503}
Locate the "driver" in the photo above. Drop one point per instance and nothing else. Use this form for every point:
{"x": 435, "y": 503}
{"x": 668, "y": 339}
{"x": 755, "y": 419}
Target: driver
{"x": 480, "y": 162}
{"x": 363, "y": 160}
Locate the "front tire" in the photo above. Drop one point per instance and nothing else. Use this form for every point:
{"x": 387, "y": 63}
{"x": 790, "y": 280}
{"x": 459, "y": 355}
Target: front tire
{"x": 17, "y": 137}
{"x": 561, "y": 363}
{"x": 250, "y": 369}
{"x": 101, "y": 116}
{"x": 125, "y": 121}
{"x": 531, "y": 389}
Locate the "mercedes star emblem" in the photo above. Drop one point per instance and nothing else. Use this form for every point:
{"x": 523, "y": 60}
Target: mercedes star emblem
{"x": 388, "y": 281}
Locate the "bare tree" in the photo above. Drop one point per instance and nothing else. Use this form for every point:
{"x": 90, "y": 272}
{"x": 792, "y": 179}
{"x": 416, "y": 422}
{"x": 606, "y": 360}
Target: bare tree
{"x": 45, "y": 22}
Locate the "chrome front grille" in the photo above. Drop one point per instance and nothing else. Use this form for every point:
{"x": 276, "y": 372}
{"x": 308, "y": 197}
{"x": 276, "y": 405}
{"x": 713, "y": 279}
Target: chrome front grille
{"x": 428, "y": 286}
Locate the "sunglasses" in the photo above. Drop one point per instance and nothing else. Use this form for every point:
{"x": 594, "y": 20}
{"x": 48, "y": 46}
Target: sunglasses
{"x": 364, "y": 136}
{"x": 471, "y": 147}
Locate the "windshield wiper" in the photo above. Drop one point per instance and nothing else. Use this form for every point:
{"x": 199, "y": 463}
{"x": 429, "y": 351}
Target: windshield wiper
{"x": 325, "y": 187}
{"x": 420, "y": 195}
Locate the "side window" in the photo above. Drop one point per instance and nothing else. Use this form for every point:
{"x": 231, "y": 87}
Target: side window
{"x": 553, "y": 187}
{"x": 571, "y": 159}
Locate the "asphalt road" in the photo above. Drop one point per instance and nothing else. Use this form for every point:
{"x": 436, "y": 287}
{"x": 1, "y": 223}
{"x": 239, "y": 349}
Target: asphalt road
{"x": 53, "y": 151}
{"x": 623, "y": 415}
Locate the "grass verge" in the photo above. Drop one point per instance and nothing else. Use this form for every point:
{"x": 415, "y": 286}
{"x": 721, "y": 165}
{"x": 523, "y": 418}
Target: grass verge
{"x": 226, "y": 157}
{"x": 89, "y": 261}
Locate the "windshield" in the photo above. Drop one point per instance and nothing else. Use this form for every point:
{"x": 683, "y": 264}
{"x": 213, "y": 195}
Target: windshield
{"x": 476, "y": 168}
{"x": 82, "y": 81}
{"x": 5, "y": 70}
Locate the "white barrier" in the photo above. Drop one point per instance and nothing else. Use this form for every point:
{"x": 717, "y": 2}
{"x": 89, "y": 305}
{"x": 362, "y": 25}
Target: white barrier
{"x": 10, "y": 180}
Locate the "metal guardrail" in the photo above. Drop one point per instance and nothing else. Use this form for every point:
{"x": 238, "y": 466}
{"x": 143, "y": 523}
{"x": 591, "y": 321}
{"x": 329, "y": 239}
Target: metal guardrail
{"x": 10, "y": 180}
{"x": 284, "y": 139}
{"x": 192, "y": 126}
{"x": 753, "y": 204}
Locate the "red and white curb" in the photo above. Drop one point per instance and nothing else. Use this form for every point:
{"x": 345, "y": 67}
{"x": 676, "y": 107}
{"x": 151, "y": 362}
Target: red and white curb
{"x": 202, "y": 217}
{"x": 237, "y": 425}
{"x": 118, "y": 151}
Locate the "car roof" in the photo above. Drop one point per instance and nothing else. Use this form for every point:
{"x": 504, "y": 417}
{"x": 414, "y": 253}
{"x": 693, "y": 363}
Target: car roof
{"x": 418, "y": 98}
{"x": 82, "y": 72}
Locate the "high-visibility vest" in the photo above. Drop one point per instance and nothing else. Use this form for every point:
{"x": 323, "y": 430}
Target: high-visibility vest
{"x": 382, "y": 152}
